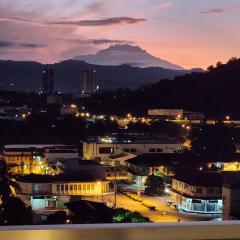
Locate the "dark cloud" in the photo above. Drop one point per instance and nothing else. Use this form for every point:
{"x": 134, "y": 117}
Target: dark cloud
{"x": 218, "y": 10}
{"x": 6, "y": 44}
{"x": 99, "y": 41}
{"x": 101, "y": 22}
{"x": 109, "y": 41}
{"x": 19, "y": 19}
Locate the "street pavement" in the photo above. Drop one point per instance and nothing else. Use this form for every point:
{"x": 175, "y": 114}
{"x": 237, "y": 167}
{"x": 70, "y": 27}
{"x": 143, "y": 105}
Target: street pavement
{"x": 163, "y": 212}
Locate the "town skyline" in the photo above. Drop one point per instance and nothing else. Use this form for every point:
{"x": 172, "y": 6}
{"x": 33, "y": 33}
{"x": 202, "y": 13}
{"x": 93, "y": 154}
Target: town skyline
{"x": 196, "y": 34}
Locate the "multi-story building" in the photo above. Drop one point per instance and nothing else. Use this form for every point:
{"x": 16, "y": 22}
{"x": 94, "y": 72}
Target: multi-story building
{"x": 231, "y": 198}
{"x": 166, "y": 113}
{"x": 89, "y": 84}
{"x": 198, "y": 192}
{"x": 145, "y": 165}
{"x": 103, "y": 148}
{"x": 51, "y": 192}
{"x": 27, "y": 159}
{"x": 48, "y": 81}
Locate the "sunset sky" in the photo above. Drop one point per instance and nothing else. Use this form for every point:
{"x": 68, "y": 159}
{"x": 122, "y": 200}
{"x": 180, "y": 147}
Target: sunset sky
{"x": 190, "y": 33}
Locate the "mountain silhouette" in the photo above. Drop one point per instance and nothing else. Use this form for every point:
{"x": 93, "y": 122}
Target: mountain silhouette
{"x": 126, "y": 54}
{"x": 17, "y": 75}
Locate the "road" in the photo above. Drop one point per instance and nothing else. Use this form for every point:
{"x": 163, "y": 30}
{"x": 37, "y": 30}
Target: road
{"x": 163, "y": 212}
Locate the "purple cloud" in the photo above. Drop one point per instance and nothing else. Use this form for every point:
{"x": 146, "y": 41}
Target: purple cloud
{"x": 219, "y": 10}
{"x": 7, "y": 44}
{"x": 101, "y": 22}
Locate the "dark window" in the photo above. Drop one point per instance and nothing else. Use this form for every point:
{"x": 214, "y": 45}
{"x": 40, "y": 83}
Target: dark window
{"x": 62, "y": 188}
{"x": 210, "y": 190}
{"x": 75, "y": 187}
{"x": 152, "y": 150}
{"x": 79, "y": 187}
{"x": 66, "y": 187}
{"x": 71, "y": 187}
{"x": 199, "y": 190}
{"x": 88, "y": 187}
{"x": 58, "y": 188}
{"x": 106, "y": 150}
{"x": 159, "y": 150}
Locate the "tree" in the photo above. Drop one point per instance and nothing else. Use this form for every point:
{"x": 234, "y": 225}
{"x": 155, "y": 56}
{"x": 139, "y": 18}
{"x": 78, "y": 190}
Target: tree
{"x": 8, "y": 185}
{"x": 122, "y": 215}
{"x": 213, "y": 141}
{"x": 15, "y": 212}
{"x": 154, "y": 185}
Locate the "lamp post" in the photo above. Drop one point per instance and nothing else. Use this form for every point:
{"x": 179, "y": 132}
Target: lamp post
{"x": 115, "y": 186}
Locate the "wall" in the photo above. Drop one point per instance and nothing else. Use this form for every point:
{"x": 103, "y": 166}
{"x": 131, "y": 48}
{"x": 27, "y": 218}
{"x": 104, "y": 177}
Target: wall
{"x": 91, "y": 150}
{"x": 196, "y": 191}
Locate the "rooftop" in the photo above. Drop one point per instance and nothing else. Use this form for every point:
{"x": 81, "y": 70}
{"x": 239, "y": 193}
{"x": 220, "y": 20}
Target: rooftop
{"x": 118, "y": 138}
{"x": 34, "y": 178}
{"x": 200, "y": 178}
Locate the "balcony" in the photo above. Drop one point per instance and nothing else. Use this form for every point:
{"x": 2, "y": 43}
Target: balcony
{"x": 149, "y": 231}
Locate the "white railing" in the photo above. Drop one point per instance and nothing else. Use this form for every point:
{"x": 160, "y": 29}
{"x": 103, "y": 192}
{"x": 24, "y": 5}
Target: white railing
{"x": 148, "y": 231}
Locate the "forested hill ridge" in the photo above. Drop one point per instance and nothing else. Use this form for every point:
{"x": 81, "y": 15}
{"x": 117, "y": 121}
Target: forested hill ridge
{"x": 17, "y": 75}
{"x": 215, "y": 92}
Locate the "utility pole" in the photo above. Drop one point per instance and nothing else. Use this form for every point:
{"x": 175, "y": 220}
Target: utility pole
{"x": 115, "y": 186}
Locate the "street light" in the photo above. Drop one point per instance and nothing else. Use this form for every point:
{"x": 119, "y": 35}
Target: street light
{"x": 227, "y": 118}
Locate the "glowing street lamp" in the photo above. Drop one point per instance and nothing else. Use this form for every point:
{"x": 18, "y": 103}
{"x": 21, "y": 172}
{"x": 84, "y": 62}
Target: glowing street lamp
{"x": 227, "y": 118}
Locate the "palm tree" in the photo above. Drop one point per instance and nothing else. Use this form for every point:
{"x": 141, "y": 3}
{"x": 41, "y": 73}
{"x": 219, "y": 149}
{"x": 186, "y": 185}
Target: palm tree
{"x": 8, "y": 185}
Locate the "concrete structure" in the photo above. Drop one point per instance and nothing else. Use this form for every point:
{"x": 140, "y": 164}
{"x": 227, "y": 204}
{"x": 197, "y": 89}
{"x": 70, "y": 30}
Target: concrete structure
{"x": 198, "y": 192}
{"x": 78, "y": 166}
{"x": 193, "y": 115}
{"x": 104, "y": 148}
{"x": 48, "y": 81}
{"x": 48, "y": 192}
{"x": 231, "y": 198}
{"x": 171, "y": 113}
{"x": 128, "y": 231}
{"x": 151, "y": 164}
{"x": 89, "y": 84}
{"x": 27, "y": 159}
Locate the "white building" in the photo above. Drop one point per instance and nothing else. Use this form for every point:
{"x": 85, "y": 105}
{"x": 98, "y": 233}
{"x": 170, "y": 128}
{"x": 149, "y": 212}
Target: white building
{"x": 198, "y": 192}
{"x": 47, "y": 192}
{"x": 102, "y": 150}
{"x": 174, "y": 113}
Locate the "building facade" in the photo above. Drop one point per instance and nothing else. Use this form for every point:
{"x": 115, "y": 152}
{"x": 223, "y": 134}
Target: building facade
{"x": 102, "y": 151}
{"x": 52, "y": 194}
{"x": 231, "y": 199}
{"x": 198, "y": 196}
{"x": 36, "y": 159}
{"x": 48, "y": 81}
{"x": 89, "y": 84}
